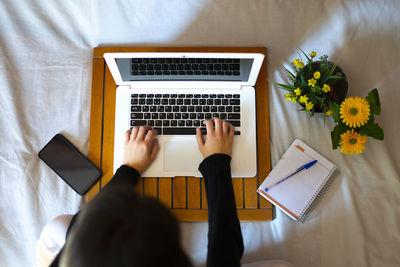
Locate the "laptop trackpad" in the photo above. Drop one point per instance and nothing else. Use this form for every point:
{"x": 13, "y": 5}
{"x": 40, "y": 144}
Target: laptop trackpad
{"x": 181, "y": 156}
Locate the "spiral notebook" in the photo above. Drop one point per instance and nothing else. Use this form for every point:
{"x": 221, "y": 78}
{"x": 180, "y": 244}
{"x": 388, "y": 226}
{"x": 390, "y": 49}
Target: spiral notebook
{"x": 295, "y": 195}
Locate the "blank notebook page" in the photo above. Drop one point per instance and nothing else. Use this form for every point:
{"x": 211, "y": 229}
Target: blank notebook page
{"x": 296, "y": 194}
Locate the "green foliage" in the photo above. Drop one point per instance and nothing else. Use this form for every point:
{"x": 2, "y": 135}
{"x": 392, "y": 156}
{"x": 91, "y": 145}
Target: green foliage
{"x": 336, "y": 133}
{"x": 373, "y": 101}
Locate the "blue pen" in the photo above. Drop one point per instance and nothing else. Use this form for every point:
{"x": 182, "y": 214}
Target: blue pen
{"x": 305, "y": 166}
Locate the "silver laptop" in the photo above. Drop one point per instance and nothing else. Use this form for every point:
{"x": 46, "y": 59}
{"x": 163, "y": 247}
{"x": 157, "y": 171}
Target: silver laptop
{"x": 174, "y": 93}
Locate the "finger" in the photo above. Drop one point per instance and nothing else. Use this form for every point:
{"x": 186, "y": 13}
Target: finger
{"x": 199, "y": 138}
{"x": 225, "y": 127}
{"x": 142, "y": 132}
{"x": 150, "y": 135}
{"x": 127, "y": 136}
{"x": 134, "y": 132}
{"x": 154, "y": 149}
{"x": 209, "y": 126}
{"x": 231, "y": 130}
{"x": 217, "y": 124}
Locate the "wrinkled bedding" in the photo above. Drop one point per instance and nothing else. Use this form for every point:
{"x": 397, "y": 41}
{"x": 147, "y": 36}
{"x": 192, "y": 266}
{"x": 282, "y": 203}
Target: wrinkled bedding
{"x": 45, "y": 80}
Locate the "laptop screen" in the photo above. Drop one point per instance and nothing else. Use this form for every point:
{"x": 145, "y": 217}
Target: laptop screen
{"x": 184, "y": 69}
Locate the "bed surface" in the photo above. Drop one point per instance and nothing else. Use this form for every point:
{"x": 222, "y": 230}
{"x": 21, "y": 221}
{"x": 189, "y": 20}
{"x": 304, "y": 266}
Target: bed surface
{"x": 45, "y": 81}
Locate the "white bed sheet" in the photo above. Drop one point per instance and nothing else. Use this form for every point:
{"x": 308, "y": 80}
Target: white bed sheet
{"x": 45, "y": 80}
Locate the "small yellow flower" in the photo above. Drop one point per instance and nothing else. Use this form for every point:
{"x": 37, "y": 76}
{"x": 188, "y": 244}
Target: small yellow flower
{"x": 317, "y": 75}
{"x": 288, "y": 97}
{"x": 309, "y": 106}
{"x": 298, "y": 63}
{"x": 297, "y": 91}
{"x": 352, "y": 142}
{"x": 354, "y": 111}
{"x": 303, "y": 99}
{"x": 326, "y": 88}
{"x": 329, "y": 112}
{"x": 294, "y": 100}
{"x": 313, "y": 54}
{"x": 312, "y": 82}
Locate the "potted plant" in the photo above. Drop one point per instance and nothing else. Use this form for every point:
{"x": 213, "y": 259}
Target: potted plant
{"x": 316, "y": 86}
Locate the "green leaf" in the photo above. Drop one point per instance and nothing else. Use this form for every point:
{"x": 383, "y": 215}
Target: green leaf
{"x": 332, "y": 69}
{"x": 335, "y": 134}
{"x": 309, "y": 60}
{"x": 372, "y": 129}
{"x": 336, "y": 112}
{"x": 290, "y": 73}
{"x": 373, "y": 101}
{"x": 286, "y": 87}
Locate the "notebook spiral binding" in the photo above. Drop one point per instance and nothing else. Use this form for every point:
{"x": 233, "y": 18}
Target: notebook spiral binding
{"x": 319, "y": 196}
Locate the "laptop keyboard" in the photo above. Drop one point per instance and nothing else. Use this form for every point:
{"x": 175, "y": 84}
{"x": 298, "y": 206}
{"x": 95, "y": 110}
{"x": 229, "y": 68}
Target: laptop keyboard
{"x": 181, "y": 114}
{"x": 185, "y": 66}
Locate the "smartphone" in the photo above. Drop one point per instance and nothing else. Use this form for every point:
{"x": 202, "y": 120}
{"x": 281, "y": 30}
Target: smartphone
{"x": 70, "y": 164}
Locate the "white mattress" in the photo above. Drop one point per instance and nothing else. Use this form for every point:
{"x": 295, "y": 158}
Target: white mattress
{"x": 45, "y": 80}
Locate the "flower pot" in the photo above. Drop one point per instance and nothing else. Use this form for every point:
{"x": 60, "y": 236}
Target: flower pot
{"x": 339, "y": 88}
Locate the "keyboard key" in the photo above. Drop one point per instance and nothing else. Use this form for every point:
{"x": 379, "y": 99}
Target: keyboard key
{"x": 189, "y": 123}
{"x": 236, "y": 109}
{"x": 234, "y": 102}
{"x": 234, "y": 116}
{"x": 168, "y": 109}
{"x": 150, "y": 123}
{"x": 170, "y": 116}
{"x": 136, "y": 115}
{"x": 177, "y": 116}
{"x": 236, "y": 96}
{"x": 138, "y": 122}
{"x": 154, "y": 116}
{"x": 160, "y": 108}
{"x": 179, "y": 131}
{"x": 147, "y": 116}
{"x": 136, "y": 108}
{"x": 158, "y": 122}
{"x": 174, "y": 123}
{"x": 181, "y": 123}
{"x": 162, "y": 116}
{"x": 235, "y": 123}
{"x": 165, "y": 123}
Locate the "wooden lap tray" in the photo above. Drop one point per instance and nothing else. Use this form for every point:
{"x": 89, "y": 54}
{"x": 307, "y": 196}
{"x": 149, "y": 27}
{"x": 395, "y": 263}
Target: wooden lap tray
{"x": 185, "y": 196}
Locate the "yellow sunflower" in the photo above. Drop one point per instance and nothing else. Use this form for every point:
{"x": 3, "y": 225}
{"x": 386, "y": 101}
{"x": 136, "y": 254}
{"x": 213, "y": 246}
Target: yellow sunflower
{"x": 355, "y": 111}
{"x": 352, "y": 142}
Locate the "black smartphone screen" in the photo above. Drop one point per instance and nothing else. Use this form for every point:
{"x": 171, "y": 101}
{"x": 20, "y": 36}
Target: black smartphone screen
{"x": 70, "y": 164}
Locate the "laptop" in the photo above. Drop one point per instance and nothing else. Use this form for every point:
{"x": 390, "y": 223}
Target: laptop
{"x": 174, "y": 93}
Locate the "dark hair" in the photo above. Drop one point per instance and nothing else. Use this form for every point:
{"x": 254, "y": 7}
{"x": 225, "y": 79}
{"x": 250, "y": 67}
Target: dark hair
{"x": 120, "y": 228}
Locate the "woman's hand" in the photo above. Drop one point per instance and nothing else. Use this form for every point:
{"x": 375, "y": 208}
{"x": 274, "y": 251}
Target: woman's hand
{"x": 219, "y": 140}
{"x": 140, "y": 148}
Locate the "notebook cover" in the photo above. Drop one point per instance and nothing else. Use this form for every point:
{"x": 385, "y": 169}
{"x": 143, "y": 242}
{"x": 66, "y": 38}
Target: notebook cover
{"x": 295, "y": 195}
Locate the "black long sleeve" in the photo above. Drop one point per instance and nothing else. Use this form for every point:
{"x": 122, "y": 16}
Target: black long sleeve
{"x": 225, "y": 241}
{"x": 124, "y": 175}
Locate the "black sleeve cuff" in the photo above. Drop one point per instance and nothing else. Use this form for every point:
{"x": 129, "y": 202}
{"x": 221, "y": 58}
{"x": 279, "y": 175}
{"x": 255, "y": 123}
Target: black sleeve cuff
{"x": 125, "y": 175}
{"x": 213, "y": 161}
